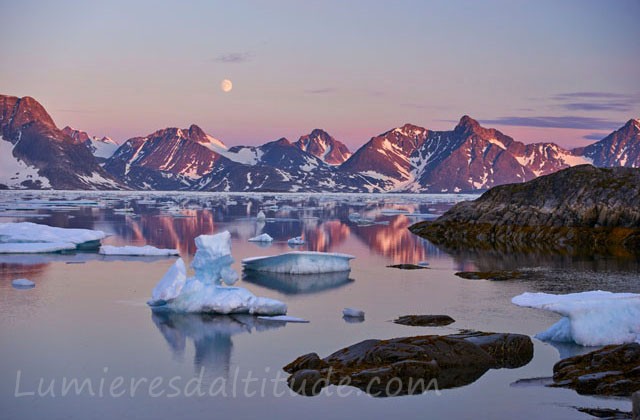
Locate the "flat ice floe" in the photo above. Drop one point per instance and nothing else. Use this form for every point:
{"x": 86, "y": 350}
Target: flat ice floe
{"x": 35, "y": 248}
{"x": 204, "y": 291}
{"x": 300, "y": 262}
{"x": 594, "y": 318}
{"x": 142, "y": 251}
{"x": 27, "y": 232}
{"x": 23, "y": 284}
{"x": 284, "y": 318}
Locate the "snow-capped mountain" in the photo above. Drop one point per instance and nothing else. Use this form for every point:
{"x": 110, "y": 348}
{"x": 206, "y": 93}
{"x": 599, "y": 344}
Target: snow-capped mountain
{"x": 620, "y": 148}
{"x": 34, "y": 153}
{"x": 102, "y": 148}
{"x": 320, "y": 144}
{"x": 168, "y": 159}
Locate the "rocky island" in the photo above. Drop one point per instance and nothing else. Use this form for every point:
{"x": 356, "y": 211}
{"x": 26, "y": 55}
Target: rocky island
{"x": 580, "y": 209}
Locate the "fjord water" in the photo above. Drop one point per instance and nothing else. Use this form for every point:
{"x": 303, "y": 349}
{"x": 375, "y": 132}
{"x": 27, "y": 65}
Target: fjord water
{"x": 87, "y": 318}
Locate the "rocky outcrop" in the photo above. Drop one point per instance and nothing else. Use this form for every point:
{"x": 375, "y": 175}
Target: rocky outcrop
{"x": 424, "y": 320}
{"x": 612, "y": 370}
{"x": 581, "y": 209}
{"x": 410, "y": 365}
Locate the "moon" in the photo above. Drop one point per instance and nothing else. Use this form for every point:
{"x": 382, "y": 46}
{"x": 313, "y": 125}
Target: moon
{"x": 226, "y": 85}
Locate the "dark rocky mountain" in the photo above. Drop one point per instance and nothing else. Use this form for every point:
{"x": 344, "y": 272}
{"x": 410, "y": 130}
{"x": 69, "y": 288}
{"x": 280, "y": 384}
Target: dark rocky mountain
{"x": 36, "y": 154}
{"x": 469, "y": 158}
{"x": 321, "y": 145}
{"x": 101, "y": 147}
{"x": 583, "y": 208}
{"x": 620, "y": 148}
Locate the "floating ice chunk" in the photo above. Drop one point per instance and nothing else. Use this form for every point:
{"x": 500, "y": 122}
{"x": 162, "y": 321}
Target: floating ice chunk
{"x": 146, "y": 251}
{"x": 170, "y": 286}
{"x": 283, "y": 318}
{"x": 296, "y": 241}
{"x": 261, "y": 238}
{"x": 204, "y": 291}
{"x": 354, "y": 216}
{"x": 300, "y": 262}
{"x": 35, "y": 248}
{"x": 23, "y": 284}
{"x": 33, "y": 232}
{"x": 353, "y": 313}
{"x": 593, "y": 318}
{"x": 261, "y": 215}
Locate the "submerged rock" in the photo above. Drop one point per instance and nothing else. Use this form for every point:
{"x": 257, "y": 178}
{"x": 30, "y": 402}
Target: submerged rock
{"x": 577, "y": 210}
{"x": 410, "y": 365}
{"x": 408, "y": 266}
{"x": 489, "y": 275}
{"x": 612, "y": 370}
{"x": 425, "y": 320}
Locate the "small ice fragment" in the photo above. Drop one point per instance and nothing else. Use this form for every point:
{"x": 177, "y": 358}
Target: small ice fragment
{"x": 353, "y": 313}
{"x": 23, "y": 284}
{"x": 283, "y": 318}
{"x": 423, "y": 264}
{"x": 296, "y": 241}
{"x": 261, "y": 215}
{"x": 265, "y": 237}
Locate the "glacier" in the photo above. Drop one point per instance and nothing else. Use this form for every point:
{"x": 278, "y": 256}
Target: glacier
{"x": 300, "y": 262}
{"x": 594, "y": 318}
{"x": 27, "y": 232}
{"x": 140, "y": 251}
{"x": 205, "y": 292}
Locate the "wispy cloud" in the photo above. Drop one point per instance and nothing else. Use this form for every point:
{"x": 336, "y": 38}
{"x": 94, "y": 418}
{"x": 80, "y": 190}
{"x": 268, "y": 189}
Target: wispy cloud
{"x": 583, "y": 123}
{"x": 320, "y": 91}
{"x": 597, "y": 101}
{"x": 234, "y": 57}
{"x": 594, "y": 136}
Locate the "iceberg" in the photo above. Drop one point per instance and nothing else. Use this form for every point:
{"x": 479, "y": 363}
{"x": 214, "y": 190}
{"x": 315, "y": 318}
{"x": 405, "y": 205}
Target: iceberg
{"x": 205, "y": 292}
{"x": 261, "y": 215}
{"x": 594, "y": 318}
{"x": 141, "y": 251}
{"x": 35, "y": 247}
{"x": 300, "y": 262}
{"x": 296, "y": 241}
{"x": 27, "y": 232}
{"x": 261, "y": 238}
{"x": 352, "y": 313}
{"x": 23, "y": 284}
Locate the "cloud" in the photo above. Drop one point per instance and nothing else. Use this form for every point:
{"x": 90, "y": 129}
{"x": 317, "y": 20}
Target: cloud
{"x": 234, "y": 57}
{"x": 583, "y": 123}
{"x": 320, "y": 91}
{"x": 594, "y": 136}
{"x": 597, "y": 101}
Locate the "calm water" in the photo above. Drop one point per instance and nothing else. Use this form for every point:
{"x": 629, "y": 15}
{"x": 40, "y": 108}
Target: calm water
{"x": 87, "y": 317}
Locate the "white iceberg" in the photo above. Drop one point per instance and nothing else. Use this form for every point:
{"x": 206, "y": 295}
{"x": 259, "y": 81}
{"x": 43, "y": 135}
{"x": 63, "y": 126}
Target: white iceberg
{"x": 261, "y": 215}
{"x": 353, "y": 313}
{"x": 284, "y": 318}
{"x": 35, "y": 248}
{"x": 594, "y": 318}
{"x": 27, "y": 232}
{"x": 265, "y": 237}
{"x": 204, "y": 291}
{"x": 23, "y": 284}
{"x": 142, "y": 251}
{"x": 300, "y": 262}
{"x": 296, "y": 241}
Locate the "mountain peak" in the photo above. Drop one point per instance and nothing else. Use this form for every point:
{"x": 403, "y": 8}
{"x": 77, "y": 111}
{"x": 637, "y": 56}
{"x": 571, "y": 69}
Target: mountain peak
{"x": 468, "y": 122}
{"x": 320, "y": 144}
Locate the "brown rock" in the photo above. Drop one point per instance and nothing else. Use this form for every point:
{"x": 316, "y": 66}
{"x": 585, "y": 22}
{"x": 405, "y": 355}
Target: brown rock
{"x": 425, "y": 320}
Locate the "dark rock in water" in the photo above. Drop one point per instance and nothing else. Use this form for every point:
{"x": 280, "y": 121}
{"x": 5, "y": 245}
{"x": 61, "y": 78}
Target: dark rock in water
{"x": 605, "y": 413}
{"x": 489, "y": 275}
{"x": 612, "y": 370}
{"x": 410, "y": 365}
{"x": 408, "y": 266}
{"x": 425, "y": 320}
{"x": 577, "y": 210}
